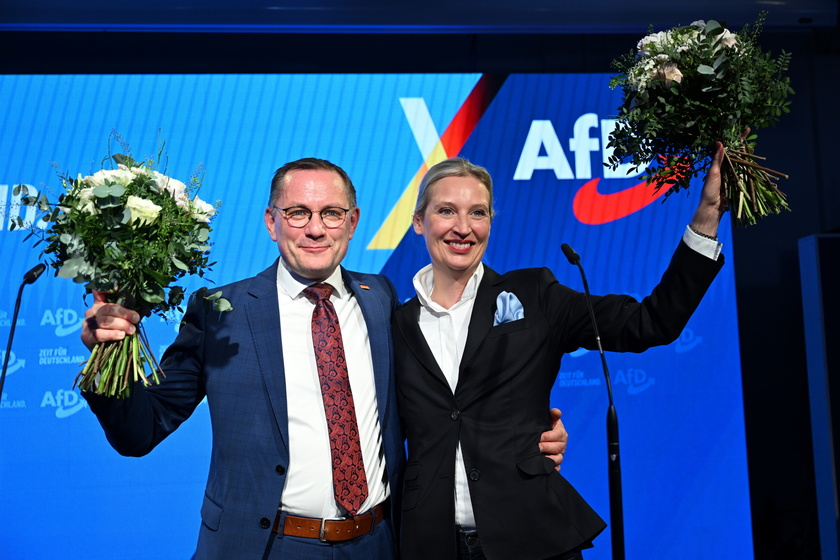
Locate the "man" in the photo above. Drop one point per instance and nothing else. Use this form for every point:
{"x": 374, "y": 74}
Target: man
{"x": 271, "y": 491}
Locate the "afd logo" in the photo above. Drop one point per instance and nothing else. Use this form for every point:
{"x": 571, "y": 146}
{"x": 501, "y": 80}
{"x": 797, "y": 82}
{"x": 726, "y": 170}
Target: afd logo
{"x": 65, "y": 321}
{"x": 637, "y": 380}
{"x": 688, "y": 341}
{"x": 11, "y": 207}
{"x": 65, "y": 403}
{"x": 543, "y": 151}
{"x": 14, "y": 363}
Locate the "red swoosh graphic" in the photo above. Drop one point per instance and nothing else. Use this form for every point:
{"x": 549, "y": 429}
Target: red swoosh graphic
{"x": 467, "y": 117}
{"x": 593, "y": 208}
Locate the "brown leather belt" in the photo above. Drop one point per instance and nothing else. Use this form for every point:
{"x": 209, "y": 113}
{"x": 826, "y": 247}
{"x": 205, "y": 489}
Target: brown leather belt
{"x": 333, "y": 529}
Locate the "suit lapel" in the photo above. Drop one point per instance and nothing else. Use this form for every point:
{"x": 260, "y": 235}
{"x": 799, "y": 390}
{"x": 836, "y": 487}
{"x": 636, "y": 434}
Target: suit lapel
{"x": 263, "y": 315}
{"x": 376, "y": 310}
{"x": 482, "y": 317}
{"x": 408, "y": 324}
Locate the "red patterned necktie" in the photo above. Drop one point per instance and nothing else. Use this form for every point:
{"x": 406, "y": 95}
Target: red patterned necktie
{"x": 349, "y": 479}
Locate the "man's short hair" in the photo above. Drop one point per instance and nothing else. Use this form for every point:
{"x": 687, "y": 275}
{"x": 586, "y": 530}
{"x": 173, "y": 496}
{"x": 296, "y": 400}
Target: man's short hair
{"x": 309, "y": 164}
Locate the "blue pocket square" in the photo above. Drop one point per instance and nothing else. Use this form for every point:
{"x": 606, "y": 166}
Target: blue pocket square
{"x": 508, "y": 308}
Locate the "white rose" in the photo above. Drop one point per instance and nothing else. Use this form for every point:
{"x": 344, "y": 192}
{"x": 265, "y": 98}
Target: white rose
{"x": 182, "y": 201}
{"x": 728, "y": 39}
{"x": 141, "y": 210}
{"x": 120, "y": 176}
{"x": 176, "y": 188}
{"x": 87, "y": 202}
{"x": 202, "y": 211}
{"x": 645, "y": 43}
{"x": 651, "y": 42}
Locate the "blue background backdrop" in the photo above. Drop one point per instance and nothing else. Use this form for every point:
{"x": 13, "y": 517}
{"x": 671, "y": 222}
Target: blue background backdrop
{"x": 68, "y": 494}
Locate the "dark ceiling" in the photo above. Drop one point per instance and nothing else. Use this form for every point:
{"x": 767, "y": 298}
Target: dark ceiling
{"x": 390, "y": 16}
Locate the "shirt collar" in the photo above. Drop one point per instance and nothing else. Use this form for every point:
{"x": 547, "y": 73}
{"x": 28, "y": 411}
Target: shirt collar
{"x": 293, "y": 284}
{"x": 424, "y": 285}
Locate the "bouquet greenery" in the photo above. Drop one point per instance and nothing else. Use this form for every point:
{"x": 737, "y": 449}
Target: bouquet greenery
{"x": 128, "y": 232}
{"x": 689, "y": 87}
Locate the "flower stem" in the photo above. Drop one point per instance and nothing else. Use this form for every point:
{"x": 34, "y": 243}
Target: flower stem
{"x": 771, "y": 172}
{"x": 113, "y": 367}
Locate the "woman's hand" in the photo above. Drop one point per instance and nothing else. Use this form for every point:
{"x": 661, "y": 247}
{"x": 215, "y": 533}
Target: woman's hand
{"x": 712, "y": 203}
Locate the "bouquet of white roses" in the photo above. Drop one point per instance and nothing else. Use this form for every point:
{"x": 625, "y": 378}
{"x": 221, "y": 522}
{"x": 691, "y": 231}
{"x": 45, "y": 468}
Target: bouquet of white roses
{"x": 129, "y": 233}
{"x": 689, "y": 87}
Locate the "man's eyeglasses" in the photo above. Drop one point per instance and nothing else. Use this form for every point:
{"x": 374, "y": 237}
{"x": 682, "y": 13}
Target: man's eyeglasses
{"x": 298, "y": 216}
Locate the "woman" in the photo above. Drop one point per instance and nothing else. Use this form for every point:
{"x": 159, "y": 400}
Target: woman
{"x": 477, "y": 354}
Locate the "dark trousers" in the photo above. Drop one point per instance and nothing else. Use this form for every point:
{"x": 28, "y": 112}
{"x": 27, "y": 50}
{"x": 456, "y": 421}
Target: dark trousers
{"x": 469, "y": 548}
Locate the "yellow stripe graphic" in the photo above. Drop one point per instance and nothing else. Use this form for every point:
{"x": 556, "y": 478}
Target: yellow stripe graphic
{"x": 393, "y": 229}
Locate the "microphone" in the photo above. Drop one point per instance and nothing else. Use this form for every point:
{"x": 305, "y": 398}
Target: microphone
{"x": 574, "y": 258}
{"x": 28, "y": 278}
{"x": 34, "y": 273}
{"x": 613, "y": 454}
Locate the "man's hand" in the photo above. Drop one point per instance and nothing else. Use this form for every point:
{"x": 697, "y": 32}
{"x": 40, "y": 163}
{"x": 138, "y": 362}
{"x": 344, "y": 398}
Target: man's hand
{"x": 107, "y": 321}
{"x": 553, "y": 442}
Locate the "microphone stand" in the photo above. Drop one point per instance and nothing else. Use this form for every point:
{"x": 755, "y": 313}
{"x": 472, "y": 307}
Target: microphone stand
{"x": 613, "y": 453}
{"x": 28, "y": 278}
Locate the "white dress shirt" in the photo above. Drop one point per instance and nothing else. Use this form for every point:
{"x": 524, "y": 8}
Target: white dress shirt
{"x": 446, "y": 331}
{"x": 703, "y": 245}
{"x": 309, "y": 487}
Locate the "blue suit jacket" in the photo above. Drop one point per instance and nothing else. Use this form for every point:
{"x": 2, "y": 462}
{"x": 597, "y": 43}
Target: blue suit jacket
{"x": 235, "y": 359}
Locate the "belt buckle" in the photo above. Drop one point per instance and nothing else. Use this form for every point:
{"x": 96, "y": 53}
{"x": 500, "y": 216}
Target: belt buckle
{"x": 322, "y": 536}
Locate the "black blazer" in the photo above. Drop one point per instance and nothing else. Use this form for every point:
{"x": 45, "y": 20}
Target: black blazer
{"x": 523, "y": 508}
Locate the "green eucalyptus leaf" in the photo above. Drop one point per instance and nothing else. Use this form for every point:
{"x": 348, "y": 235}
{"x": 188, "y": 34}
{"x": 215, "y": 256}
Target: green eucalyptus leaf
{"x": 178, "y": 264}
{"x": 213, "y": 296}
{"x": 713, "y": 28}
{"x": 126, "y": 160}
{"x": 152, "y": 293}
{"x": 222, "y": 305}
{"x": 71, "y": 268}
{"x": 44, "y": 203}
{"x": 176, "y": 295}
{"x": 158, "y": 277}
